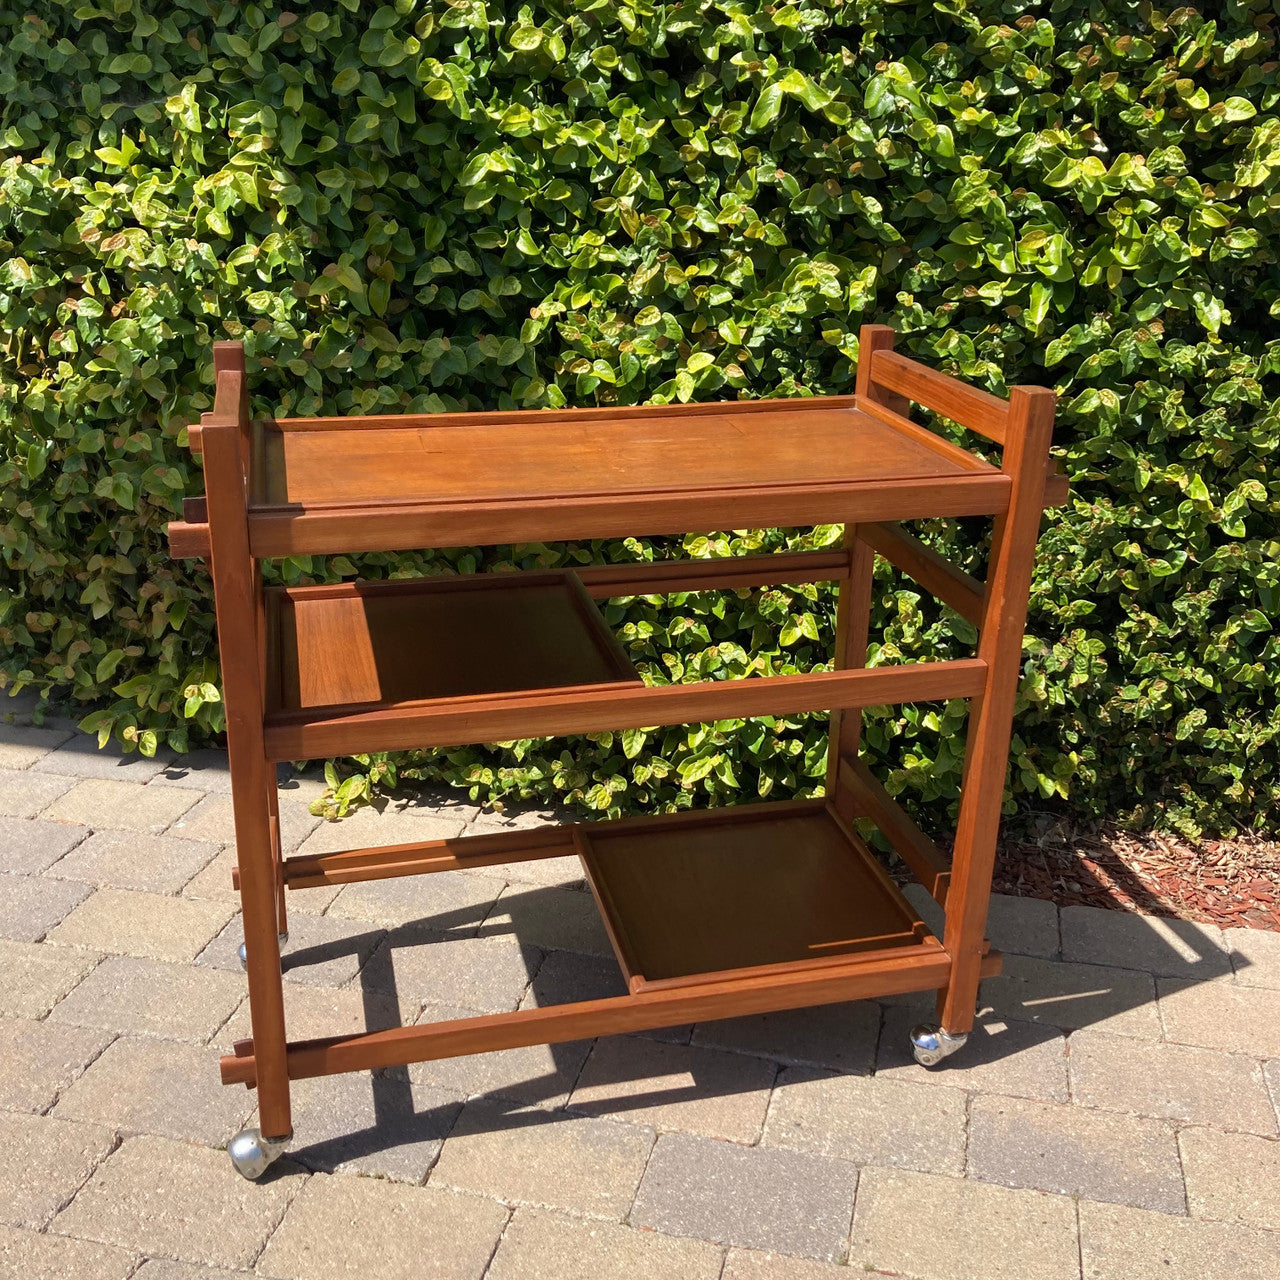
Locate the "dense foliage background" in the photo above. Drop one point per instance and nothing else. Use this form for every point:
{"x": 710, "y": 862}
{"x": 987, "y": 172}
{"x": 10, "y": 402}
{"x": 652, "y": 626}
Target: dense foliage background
{"x": 454, "y": 204}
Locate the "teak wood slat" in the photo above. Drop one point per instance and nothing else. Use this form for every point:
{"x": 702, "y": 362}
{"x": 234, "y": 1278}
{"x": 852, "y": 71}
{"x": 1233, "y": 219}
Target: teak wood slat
{"x": 712, "y": 914}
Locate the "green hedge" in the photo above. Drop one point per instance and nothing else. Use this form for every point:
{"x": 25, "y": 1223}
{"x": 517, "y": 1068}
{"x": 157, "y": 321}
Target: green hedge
{"x": 428, "y": 206}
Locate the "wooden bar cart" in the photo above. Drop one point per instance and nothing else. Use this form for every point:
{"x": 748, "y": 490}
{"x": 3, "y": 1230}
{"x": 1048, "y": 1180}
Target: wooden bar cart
{"x": 712, "y": 914}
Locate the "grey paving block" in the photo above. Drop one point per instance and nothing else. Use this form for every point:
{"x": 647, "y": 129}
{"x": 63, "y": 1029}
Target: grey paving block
{"x": 1020, "y": 1058}
{"x": 523, "y": 1156}
{"x": 35, "y": 1255}
{"x": 868, "y": 1120}
{"x": 203, "y": 770}
{"x": 81, "y": 757}
{"x": 754, "y": 1264}
{"x": 21, "y": 745}
{"x": 213, "y": 820}
{"x": 42, "y": 1162}
{"x": 158, "y": 1087}
{"x": 839, "y": 1036}
{"x": 1255, "y": 956}
{"x": 1119, "y": 1243}
{"x": 756, "y": 1197}
{"x": 25, "y": 793}
{"x": 1019, "y": 926}
{"x": 152, "y": 998}
{"x": 676, "y": 1087}
{"x": 38, "y": 1060}
{"x": 121, "y": 805}
{"x": 381, "y": 825}
{"x": 376, "y": 1123}
{"x": 936, "y": 1228}
{"x": 552, "y": 1246}
{"x": 1097, "y": 1154}
{"x": 415, "y": 1233}
{"x": 1174, "y": 948}
{"x": 125, "y": 922}
{"x": 29, "y": 846}
{"x": 157, "y": 1196}
{"x": 553, "y": 919}
{"x": 165, "y": 1269}
{"x": 1223, "y": 1014}
{"x": 37, "y": 975}
{"x": 131, "y": 860}
{"x": 312, "y": 1013}
{"x": 321, "y": 951}
{"x": 31, "y": 905}
{"x": 1233, "y": 1177}
{"x": 444, "y": 901}
{"x": 1176, "y": 1082}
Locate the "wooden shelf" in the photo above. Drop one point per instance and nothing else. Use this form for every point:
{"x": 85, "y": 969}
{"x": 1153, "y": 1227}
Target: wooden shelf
{"x": 376, "y": 644}
{"x": 380, "y": 483}
{"x": 746, "y": 893}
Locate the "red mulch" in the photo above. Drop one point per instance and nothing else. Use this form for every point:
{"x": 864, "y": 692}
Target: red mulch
{"x": 1231, "y": 883}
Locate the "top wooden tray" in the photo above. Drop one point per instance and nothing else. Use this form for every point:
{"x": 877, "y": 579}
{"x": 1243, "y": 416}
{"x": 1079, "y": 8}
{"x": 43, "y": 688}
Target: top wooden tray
{"x": 381, "y": 483}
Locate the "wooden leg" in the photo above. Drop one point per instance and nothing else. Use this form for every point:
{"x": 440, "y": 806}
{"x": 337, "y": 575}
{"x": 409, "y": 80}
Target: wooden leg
{"x": 853, "y": 621}
{"x": 273, "y": 809}
{"x": 991, "y": 714}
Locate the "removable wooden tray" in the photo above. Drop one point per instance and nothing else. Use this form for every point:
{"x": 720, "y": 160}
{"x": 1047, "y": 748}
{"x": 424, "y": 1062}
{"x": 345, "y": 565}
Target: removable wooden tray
{"x": 752, "y": 891}
{"x": 411, "y": 639}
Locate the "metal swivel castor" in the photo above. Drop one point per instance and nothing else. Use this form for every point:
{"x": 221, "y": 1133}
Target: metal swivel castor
{"x": 252, "y": 1154}
{"x": 244, "y": 956}
{"x": 931, "y": 1044}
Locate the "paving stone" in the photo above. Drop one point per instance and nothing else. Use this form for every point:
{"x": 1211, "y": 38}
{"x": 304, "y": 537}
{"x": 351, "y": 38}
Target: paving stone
{"x": 31, "y": 905}
{"x": 213, "y": 820}
{"x": 321, "y": 951}
{"x": 81, "y": 757}
{"x": 122, "y": 806}
{"x": 1175, "y": 1082}
{"x": 1119, "y": 1243}
{"x": 415, "y": 1233}
{"x": 129, "y": 860}
{"x": 163, "y": 1269}
{"x": 551, "y": 873}
{"x": 524, "y": 1156}
{"x": 1074, "y": 995}
{"x": 36, "y": 1256}
{"x": 159, "y": 1087}
{"x": 840, "y": 1036}
{"x": 549, "y": 1246}
{"x": 21, "y": 745}
{"x": 1272, "y": 1072}
{"x": 37, "y": 976}
{"x": 1175, "y": 948}
{"x": 756, "y": 1197}
{"x": 123, "y": 922}
{"x": 23, "y": 794}
{"x": 369, "y": 827}
{"x": 676, "y": 1086}
{"x": 935, "y": 1228}
{"x": 1097, "y": 1154}
{"x": 553, "y": 919}
{"x": 215, "y": 883}
{"x": 38, "y": 1060}
{"x": 1019, "y": 1058}
{"x": 203, "y": 770}
{"x": 1233, "y": 1177}
{"x": 158, "y": 1196}
{"x": 489, "y": 974}
{"x": 1020, "y": 926}
{"x": 1255, "y": 956}
{"x": 152, "y": 998}
{"x": 29, "y": 846}
{"x": 376, "y": 1123}
{"x": 517, "y": 816}
{"x": 42, "y": 1162}
{"x": 314, "y": 1012}
{"x": 444, "y": 901}
{"x": 752, "y": 1264}
{"x": 540, "y": 1075}
{"x": 868, "y": 1120}
{"x": 1220, "y": 1015}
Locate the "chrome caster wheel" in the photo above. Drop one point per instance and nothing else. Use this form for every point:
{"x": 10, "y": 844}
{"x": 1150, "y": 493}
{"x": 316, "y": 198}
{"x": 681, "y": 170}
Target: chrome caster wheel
{"x": 931, "y": 1044}
{"x": 252, "y": 1154}
{"x": 244, "y": 956}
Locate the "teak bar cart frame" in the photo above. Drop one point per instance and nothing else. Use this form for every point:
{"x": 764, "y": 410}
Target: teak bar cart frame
{"x": 712, "y": 914}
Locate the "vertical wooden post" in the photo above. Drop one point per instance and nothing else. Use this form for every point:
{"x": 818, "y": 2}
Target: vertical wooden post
{"x": 991, "y": 715}
{"x": 853, "y": 622}
{"x": 240, "y": 635}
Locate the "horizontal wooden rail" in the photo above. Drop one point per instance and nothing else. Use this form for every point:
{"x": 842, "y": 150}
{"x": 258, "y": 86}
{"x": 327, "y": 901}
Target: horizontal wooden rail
{"x": 917, "y": 968}
{"x": 930, "y": 865}
{"x": 934, "y": 572}
{"x": 549, "y": 713}
{"x": 971, "y": 407}
{"x": 603, "y": 581}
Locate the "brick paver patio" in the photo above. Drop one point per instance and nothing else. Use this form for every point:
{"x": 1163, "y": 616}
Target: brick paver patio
{"x": 1115, "y": 1116}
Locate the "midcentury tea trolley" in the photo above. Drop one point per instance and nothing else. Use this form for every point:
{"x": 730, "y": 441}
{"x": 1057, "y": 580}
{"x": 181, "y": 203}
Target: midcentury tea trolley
{"x": 712, "y": 914}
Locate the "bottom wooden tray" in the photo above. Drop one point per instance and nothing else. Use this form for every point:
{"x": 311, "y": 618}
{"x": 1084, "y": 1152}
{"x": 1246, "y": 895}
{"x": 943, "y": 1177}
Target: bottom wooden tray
{"x": 745, "y": 892}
